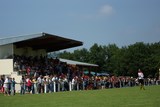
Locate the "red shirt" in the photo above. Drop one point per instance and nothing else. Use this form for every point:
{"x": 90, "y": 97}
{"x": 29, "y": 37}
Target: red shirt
{"x": 29, "y": 83}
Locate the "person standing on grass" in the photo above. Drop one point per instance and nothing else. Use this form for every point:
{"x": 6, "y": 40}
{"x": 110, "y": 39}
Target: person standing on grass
{"x": 29, "y": 85}
{"x": 1, "y": 85}
{"x": 45, "y": 82}
{"x": 141, "y": 79}
{"x": 6, "y": 86}
{"x": 34, "y": 86}
{"x": 13, "y": 86}
{"x": 23, "y": 85}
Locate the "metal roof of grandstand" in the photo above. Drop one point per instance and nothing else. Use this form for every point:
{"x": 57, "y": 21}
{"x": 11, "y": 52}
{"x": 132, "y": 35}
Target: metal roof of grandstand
{"x": 77, "y": 63}
{"x": 42, "y": 40}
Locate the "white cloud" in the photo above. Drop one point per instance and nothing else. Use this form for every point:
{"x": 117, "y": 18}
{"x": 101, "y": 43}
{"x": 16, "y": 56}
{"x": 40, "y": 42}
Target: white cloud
{"x": 101, "y": 12}
{"x": 106, "y": 10}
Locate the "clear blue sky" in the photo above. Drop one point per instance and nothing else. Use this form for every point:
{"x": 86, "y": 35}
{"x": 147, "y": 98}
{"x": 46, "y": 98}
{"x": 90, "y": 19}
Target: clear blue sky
{"x": 122, "y": 22}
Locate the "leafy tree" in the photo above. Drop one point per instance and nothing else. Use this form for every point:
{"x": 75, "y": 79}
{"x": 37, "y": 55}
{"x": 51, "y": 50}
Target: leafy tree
{"x": 81, "y": 55}
{"x": 154, "y": 59}
{"x": 121, "y": 61}
{"x": 66, "y": 55}
{"x": 111, "y": 53}
{"x": 97, "y": 55}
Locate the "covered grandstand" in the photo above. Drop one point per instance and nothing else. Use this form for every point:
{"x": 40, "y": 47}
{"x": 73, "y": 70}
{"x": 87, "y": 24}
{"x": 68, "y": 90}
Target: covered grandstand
{"x": 30, "y": 45}
{"x": 35, "y": 45}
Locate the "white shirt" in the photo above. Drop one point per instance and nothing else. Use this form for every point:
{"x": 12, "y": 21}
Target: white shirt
{"x": 5, "y": 85}
{"x": 140, "y": 75}
{"x": 39, "y": 80}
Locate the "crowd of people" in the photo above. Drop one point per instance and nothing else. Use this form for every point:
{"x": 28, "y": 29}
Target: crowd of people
{"x": 47, "y": 75}
{"x": 7, "y": 85}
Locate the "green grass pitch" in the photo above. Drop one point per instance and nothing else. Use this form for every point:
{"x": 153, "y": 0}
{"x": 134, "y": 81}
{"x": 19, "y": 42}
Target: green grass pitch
{"x": 118, "y": 97}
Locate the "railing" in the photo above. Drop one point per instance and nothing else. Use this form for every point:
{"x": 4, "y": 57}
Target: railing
{"x": 69, "y": 86}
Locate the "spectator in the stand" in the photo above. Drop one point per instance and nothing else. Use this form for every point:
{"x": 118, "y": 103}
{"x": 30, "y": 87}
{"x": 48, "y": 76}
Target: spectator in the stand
{"x": 15, "y": 66}
{"x": 28, "y": 69}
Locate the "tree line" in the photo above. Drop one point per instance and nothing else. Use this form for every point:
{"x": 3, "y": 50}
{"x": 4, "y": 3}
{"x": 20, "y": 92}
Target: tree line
{"x": 124, "y": 61}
